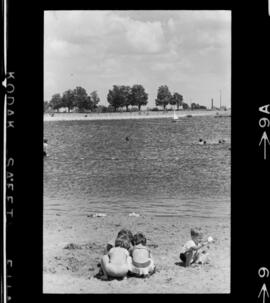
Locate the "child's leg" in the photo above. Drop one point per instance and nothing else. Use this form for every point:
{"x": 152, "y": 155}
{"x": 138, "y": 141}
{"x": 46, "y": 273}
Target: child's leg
{"x": 196, "y": 256}
{"x": 113, "y": 270}
{"x": 189, "y": 256}
{"x": 129, "y": 262}
{"x": 152, "y": 266}
{"x": 203, "y": 258}
{"x": 182, "y": 257}
{"x": 104, "y": 261}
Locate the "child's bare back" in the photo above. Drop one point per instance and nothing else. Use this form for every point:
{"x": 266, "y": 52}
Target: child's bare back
{"x": 118, "y": 255}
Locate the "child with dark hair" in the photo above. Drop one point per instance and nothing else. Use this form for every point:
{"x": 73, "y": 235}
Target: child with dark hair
{"x": 117, "y": 262}
{"x": 142, "y": 261}
{"x": 123, "y": 232}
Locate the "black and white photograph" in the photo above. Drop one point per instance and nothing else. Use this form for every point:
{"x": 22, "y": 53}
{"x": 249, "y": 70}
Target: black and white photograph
{"x": 137, "y": 152}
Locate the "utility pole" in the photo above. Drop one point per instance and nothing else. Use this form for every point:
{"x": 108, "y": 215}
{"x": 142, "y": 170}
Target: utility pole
{"x": 220, "y": 99}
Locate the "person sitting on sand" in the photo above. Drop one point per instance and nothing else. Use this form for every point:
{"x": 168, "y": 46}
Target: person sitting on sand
{"x": 201, "y": 141}
{"x": 142, "y": 261}
{"x": 129, "y": 237}
{"x": 221, "y": 141}
{"x": 190, "y": 253}
{"x": 45, "y": 147}
{"x": 117, "y": 262}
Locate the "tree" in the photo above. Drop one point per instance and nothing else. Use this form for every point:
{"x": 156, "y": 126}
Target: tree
{"x": 46, "y": 106}
{"x": 125, "y": 92}
{"x": 94, "y": 98}
{"x": 177, "y": 100}
{"x": 195, "y": 105}
{"x": 56, "y": 102}
{"x": 185, "y": 105}
{"x": 115, "y": 97}
{"x": 138, "y": 96}
{"x": 163, "y": 96}
{"x": 82, "y": 100}
{"x": 69, "y": 99}
{"x": 101, "y": 109}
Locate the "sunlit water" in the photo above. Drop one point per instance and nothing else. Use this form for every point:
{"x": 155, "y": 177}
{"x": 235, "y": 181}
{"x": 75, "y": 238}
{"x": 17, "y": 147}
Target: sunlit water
{"x": 161, "y": 170}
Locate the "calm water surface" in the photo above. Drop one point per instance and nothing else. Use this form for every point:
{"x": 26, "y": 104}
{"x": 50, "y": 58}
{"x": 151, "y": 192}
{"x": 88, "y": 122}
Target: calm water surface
{"x": 161, "y": 170}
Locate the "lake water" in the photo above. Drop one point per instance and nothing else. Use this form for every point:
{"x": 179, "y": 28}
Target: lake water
{"x": 161, "y": 170}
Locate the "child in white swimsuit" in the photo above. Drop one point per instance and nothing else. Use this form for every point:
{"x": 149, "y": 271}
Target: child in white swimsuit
{"x": 142, "y": 261}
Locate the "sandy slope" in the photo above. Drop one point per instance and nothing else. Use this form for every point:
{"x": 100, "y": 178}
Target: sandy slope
{"x": 72, "y": 269}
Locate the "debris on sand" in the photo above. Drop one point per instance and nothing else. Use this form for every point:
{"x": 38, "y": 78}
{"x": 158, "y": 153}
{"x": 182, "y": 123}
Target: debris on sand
{"x": 134, "y": 215}
{"x": 73, "y": 246}
{"x": 97, "y": 215}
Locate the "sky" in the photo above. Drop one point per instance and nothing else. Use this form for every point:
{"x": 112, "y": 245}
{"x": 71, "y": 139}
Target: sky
{"x": 189, "y": 51}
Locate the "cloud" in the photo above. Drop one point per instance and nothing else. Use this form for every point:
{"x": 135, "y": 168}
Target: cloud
{"x": 145, "y": 36}
{"x": 163, "y": 66}
{"x": 204, "y": 17}
{"x": 171, "y": 25}
{"x": 89, "y": 28}
{"x": 102, "y": 48}
{"x": 62, "y": 49}
{"x": 200, "y": 29}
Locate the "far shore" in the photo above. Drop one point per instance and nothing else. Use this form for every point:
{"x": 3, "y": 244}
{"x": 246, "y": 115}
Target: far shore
{"x": 132, "y": 115}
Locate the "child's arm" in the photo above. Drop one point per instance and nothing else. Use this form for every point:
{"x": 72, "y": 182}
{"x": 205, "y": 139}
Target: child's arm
{"x": 199, "y": 246}
{"x": 107, "y": 248}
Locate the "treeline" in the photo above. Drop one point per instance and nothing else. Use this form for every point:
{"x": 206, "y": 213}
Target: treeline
{"x": 119, "y": 97}
{"x": 76, "y": 98}
{"x": 197, "y": 106}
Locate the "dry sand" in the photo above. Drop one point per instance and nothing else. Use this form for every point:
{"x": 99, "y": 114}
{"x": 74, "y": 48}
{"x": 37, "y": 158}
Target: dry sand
{"x": 131, "y": 115}
{"x": 73, "y": 247}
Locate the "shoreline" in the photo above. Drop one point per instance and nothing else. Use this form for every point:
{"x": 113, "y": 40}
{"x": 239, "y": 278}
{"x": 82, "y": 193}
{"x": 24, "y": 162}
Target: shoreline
{"x": 132, "y": 115}
{"x": 73, "y": 247}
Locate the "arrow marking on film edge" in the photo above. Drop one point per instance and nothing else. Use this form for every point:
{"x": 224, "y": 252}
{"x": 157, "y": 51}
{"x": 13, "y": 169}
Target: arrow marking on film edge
{"x": 264, "y": 139}
{"x": 264, "y": 290}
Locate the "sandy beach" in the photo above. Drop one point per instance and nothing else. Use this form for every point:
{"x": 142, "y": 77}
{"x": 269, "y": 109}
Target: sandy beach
{"x": 132, "y": 115}
{"x": 74, "y": 243}
{"x": 73, "y": 247}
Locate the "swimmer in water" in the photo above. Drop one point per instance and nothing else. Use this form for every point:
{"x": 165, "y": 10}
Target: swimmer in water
{"x": 127, "y": 138}
{"x": 45, "y": 147}
{"x": 221, "y": 141}
{"x": 201, "y": 141}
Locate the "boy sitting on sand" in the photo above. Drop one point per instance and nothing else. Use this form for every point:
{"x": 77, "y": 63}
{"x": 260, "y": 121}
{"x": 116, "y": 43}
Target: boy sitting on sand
{"x": 190, "y": 253}
{"x": 117, "y": 262}
{"x": 142, "y": 261}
